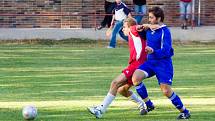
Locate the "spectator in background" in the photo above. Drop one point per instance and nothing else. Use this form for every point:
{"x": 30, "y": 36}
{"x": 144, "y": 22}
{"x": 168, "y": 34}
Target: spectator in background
{"x": 109, "y": 6}
{"x": 185, "y": 12}
{"x": 120, "y": 13}
{"x": 139, "y": 8}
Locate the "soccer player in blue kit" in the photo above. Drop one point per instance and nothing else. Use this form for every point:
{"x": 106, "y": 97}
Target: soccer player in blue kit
{"x": 159, "y": 62}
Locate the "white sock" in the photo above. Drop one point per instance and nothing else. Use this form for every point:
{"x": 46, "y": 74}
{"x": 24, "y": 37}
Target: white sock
{"x": 136, "y": 99}
{"x": 106, "y": 102}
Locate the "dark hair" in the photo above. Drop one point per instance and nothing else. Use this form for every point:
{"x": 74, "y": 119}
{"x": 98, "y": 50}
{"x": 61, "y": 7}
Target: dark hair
{"x": 157, "y": 12}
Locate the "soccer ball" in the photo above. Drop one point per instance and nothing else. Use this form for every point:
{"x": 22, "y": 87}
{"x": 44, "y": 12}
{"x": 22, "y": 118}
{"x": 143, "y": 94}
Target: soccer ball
{"x": 29, "y": 112}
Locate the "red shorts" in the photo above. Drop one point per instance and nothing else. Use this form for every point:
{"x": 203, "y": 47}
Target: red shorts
{"x": 129, "y": 70}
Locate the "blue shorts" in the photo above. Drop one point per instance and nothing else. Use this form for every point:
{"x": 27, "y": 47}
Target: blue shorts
{"x": 163, "y": 69}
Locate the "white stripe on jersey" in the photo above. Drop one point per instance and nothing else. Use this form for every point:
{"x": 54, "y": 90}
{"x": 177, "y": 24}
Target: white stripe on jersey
{"x": 162, "y": 41}
{"x": 137, "y": 45}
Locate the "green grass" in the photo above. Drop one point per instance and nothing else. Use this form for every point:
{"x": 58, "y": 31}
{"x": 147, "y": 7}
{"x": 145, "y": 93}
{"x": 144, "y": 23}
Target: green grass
{"x": 61, "y": 80}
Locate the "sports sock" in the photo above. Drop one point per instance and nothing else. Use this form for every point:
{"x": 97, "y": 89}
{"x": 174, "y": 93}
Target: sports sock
{"x": 176, "y": 101}
{"x": 136, "y": 99}
{"x": 142, "y": 91}
{"x": 149, "y": 103}
{"x": 106, "y": 102}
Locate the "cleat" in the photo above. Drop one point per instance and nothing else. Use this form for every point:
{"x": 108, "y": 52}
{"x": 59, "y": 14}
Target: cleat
{"x": 143, "y": 112}
{"x": 142, "y": 109}
{"x": 150, "y": 108}
{"x": 184, "y": 116}
{"x": 95, "y": 111}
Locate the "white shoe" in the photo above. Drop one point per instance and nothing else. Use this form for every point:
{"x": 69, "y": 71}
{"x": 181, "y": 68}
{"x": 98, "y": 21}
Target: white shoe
{"x": 143, "y": 110}
{"x": 96, "y": 111}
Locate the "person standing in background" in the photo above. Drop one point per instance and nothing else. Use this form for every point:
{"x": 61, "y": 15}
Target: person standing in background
{"x": 139, "y": 9}
{"x": 185, "y": 12}
{"x": 109, "y": 6}
{"x": 120, "y": 13}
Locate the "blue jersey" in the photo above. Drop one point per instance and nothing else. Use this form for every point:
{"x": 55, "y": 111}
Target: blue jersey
{"x": 160, "y": 40}
{"x": 159, "y": 63}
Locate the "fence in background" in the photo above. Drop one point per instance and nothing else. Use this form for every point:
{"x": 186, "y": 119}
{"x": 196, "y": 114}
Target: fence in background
{"x": 87, "y": 13}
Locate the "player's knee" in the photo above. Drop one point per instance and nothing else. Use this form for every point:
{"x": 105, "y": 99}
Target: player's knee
{"x": 166, "y": 92}
{"x": 115, "y": 84}
{"x": 120, "y": 90}
{"x": 166, "y": 89}
{"x": 123, "y": 91}
{"x": 136, "y": 80}
{"x": 137, "y": 77}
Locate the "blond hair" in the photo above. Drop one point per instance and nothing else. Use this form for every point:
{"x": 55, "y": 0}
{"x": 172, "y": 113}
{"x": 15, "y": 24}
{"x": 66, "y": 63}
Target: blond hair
{"x": 130, "y": 21}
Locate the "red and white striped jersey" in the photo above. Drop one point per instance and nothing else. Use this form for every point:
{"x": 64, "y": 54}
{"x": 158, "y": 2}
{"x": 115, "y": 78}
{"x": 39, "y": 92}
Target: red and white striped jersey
{"x": 136, "y": 46}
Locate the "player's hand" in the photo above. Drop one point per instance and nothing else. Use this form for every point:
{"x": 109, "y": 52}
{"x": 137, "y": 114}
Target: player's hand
{"x": 146, "y": 26}
{"x": 154, "y": 26}
{"x": 151, "y": 26}
{"x": 149, "y": 50}
{"x": 139, "y": 28}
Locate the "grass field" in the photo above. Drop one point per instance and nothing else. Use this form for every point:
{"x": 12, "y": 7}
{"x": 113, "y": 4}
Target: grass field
{"x": 61, "y": 80}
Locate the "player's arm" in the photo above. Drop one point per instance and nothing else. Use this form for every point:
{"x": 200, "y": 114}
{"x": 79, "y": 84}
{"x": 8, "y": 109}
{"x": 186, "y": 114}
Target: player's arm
{"x": 140, "y": 28}
{"x": 127, "y": 11}
{"x": 144, "y": 27}
{"x": 112, "y": 21}
{"x": 151, "y": 26}
{"x": 166, "y": 43}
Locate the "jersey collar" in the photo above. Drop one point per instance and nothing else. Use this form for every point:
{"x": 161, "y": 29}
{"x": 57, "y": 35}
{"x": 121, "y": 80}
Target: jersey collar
{"x": 163, "y": 25}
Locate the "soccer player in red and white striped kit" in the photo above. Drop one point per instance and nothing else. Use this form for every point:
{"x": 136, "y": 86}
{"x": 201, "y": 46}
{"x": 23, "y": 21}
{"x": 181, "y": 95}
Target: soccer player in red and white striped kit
{"x": 123, "y": 82}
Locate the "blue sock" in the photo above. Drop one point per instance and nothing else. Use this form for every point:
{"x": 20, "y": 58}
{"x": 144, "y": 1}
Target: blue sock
{"x": 149, "y": 103}
{"x": 141, "y": 90}
{"x": 176, "y": 101}
{"x": 185, "y": 111}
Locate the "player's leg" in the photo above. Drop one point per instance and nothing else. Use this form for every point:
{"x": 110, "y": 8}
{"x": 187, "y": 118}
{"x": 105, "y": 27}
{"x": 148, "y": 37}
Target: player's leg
{"x": 124, "y": 91}
{"x": 165, "y": 77}
{"x": 143, "y": 72}
{"x": 176, "y": 101}
{"x": 116, "y": 83}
